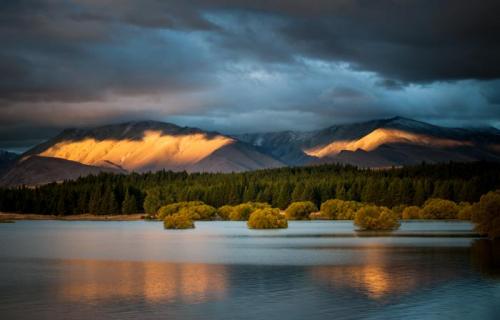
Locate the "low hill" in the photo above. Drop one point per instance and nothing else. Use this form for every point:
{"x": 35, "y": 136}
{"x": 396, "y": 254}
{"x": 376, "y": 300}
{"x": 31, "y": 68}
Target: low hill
{"x": 35, "y": 170}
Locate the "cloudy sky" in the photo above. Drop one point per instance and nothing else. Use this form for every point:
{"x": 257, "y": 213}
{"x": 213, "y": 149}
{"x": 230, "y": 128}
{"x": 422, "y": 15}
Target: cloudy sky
{"x": 243, "y": 66}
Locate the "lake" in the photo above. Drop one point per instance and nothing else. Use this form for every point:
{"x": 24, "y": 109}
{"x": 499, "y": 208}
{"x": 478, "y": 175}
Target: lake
{"x": 222, "y": 270}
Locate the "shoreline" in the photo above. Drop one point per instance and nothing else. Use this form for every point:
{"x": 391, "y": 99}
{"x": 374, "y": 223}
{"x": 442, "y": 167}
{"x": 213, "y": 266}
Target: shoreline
{"x": 6, "y": 216}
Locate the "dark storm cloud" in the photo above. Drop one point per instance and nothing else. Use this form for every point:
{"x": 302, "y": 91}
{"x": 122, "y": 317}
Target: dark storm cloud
{"x": 233, "y": 64}
{"x": 408, "y": 40}
{"x": 390, "y": 84}
{"x": 414, "y": 41}
{"x": 71, "y": 51}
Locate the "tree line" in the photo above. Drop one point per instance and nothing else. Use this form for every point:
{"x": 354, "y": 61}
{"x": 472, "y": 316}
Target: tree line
{"x": 109, "y": 193}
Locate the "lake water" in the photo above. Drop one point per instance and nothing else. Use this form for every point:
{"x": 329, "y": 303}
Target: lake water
{"x": 222, "y": 270}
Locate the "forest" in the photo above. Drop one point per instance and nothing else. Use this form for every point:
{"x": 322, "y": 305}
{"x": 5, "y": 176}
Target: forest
{"x": 132, "y": 193}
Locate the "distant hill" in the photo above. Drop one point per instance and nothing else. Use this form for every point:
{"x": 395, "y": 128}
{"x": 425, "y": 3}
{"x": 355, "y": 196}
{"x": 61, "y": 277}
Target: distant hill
{"x": 152, "y": 146}
{"x": 380, "y": 143}
{"x": 35, "y": 170}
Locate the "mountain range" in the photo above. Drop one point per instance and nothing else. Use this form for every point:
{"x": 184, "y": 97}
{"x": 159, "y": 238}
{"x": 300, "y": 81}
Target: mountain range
{"x": 150, "y": 146}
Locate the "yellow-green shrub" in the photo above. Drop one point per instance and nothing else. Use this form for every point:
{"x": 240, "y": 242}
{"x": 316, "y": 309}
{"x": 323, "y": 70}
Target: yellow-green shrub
{"x": 243, "y": 211}
{"x": 398, "y": 210}
{"x": 337, "y": 209}
{"x": 466, "y": 210}
{"x": 412, "y": 212}
{"x": 225, "y": 211}
{"x": 197, "y": 210}
{"x": 178, "y": 221}
{"x": 319, "y": 216}
{"x": 376, "y": 218}
{"x": 175, "y": 207}
{"x": 300, "y": 210}
{"x": 487, "y": 215}
{"x": 439, "y": 209}
{"x": 267, "y": 218}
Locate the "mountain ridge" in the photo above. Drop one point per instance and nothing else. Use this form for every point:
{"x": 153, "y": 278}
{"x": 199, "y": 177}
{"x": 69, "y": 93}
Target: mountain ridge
{"x": 142, "y": 146}
{"x": 291, "y": 146}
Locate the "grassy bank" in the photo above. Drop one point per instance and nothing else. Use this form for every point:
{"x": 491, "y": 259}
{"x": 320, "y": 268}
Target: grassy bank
{"x": 5, "y": 216}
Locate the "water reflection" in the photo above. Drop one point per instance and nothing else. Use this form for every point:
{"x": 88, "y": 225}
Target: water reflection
{"x": 154, "y": 282}
{"x": 101, "y": 270}
{"x": 485, "y": 257}
{"x": 380, "y": 275}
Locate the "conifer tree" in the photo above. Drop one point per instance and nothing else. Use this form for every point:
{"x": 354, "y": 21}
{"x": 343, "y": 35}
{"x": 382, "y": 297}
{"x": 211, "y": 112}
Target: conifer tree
{"x": 298, "y": 192}
{"x": 94, "y": 201}
{"x": 129, "y": 204}
{"x": 283, "y": 199}
{"x": 152, "y": 202}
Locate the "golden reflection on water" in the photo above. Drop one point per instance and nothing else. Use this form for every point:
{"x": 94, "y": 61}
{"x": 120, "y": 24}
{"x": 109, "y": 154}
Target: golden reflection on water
{"x": 155, "y": 281}
{"x": 377, "y": 277}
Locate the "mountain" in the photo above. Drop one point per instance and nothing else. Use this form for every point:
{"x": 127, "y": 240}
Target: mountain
{"x": 7, "y": 159}
{"x": 144, "y": 146}
{"x": 151, "y": 146}
{"x": 35, "y": 170}
{"x": 380, "y": 143}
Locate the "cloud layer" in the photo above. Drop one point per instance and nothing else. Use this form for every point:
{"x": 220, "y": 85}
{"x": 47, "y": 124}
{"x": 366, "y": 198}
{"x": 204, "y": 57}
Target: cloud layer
{"x": 239, "y": 66}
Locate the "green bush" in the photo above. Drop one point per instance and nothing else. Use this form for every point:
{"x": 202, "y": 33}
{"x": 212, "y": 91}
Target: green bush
{"x": 439, "y": 209}
{"x": 267, "y": 218}
{"x": 337, "y": 209}
{"x": 376, "y": 218}
{"x": 412, "y": 212}
{"x": 178, "y": 221}
{"x": 243, "y": 211}
{"x": 487, "y": 215}
{"x": 175, "y": 207}
{"x": 300, "y": 210}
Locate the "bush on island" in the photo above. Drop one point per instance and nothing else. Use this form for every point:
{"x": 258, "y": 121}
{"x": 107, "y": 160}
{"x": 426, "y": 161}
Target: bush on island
{"x": 412, "y": 212}
{"x": 439, "y": 209}
{"x": 178, "y": 221}
{"x": 267, "y": 218}
{"x": 319, "y": 215}
{"x": 487, "y": 215}
{"x": 199, "y": 212}
{"x": 398, "y": 210}
{"x": 224, "y": 212}
{"x": 337, "y": 209}
{"x": 243, "y": 211}
{"x": 300, "y": 210}
{"x": 372, "y": 217}
{"x": 172, "y": 208}
{"x": 465, "y": 210}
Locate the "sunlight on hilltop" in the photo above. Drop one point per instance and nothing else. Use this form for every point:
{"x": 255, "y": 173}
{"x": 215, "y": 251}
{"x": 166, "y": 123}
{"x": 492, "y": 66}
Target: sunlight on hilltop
{"x": 155, "y": 151}
{"x": 380, "y": 137}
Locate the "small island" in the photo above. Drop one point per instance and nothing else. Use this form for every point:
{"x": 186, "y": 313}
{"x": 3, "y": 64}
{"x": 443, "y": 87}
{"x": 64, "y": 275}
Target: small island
{"x": 375, "y": 218}
{"x": 267, "y": 218}
{"x": 178, "y": 221}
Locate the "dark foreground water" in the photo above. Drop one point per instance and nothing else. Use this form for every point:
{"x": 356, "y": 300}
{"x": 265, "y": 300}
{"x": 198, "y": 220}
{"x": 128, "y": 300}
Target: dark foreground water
{"x": 221, "y": 270}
